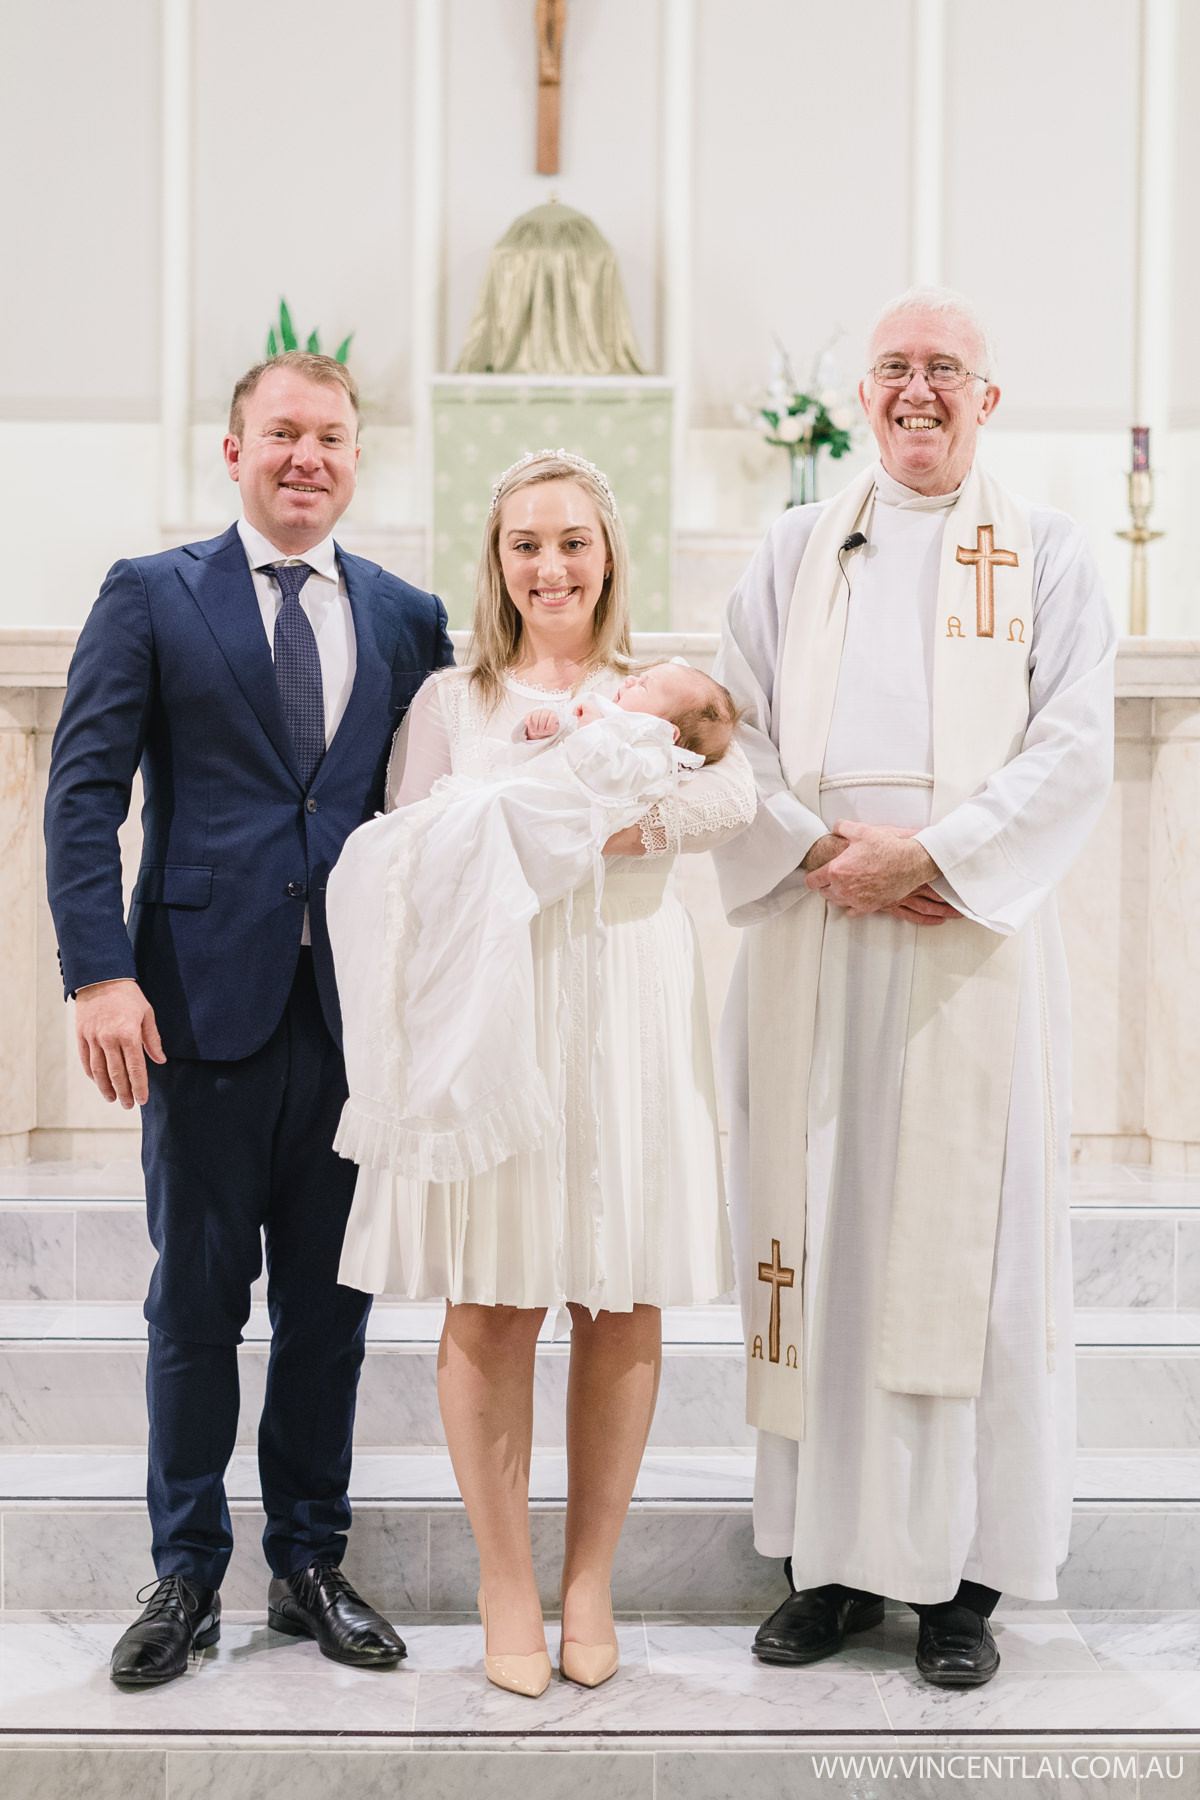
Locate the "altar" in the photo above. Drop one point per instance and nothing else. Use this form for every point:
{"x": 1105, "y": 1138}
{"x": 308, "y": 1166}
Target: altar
{"x": 1129, "y": 907}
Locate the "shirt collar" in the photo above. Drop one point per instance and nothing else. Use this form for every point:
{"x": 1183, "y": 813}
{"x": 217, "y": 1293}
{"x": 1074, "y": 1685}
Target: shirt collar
{"x": 322, "y": 558}
{"x": 894, "y": 493}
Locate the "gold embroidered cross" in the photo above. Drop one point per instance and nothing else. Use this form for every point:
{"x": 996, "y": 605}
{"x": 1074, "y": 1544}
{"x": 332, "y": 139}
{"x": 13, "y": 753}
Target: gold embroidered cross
{"x": 986, "y": 559}
{"x": 779, "y": 1277}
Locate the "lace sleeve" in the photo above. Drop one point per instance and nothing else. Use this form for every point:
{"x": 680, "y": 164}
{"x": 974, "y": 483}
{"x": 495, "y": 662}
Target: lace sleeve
{"x": 709, "y": 807}
{"x": 421, "y": 748}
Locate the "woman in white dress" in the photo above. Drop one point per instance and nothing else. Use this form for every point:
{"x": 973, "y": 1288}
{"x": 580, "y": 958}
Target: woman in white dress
{"x": 621, "y": 1210}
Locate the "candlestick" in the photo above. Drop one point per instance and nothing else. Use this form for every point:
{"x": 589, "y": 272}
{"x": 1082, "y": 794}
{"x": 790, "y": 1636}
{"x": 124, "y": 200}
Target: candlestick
{"x": 1141, "y": 499}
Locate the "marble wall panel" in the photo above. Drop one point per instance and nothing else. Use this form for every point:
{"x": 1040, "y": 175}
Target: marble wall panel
{"x": 719, "y": 1774}
{"x": 1104, "y": 930}
{"x": 37, "y": 1255}
{"x": 18, "y": 872}
{"x": 1135, "y": 1401}
{"x": 417, "y": 1775}
{"x": 1173, "y": 1010}
{"x": 114, "y": 1255}
{"x": 56, "y": 1394}
{"x": 1187, "y": 1251}
{"x": 87, "y": 1559}
{"x": 388, "y": 1557}
{"x": 60, "y": 1774}
{"x": 1132, "y": 1556}
{"x": 397, "y": 1400}
{"x": 1123, "y": 1262}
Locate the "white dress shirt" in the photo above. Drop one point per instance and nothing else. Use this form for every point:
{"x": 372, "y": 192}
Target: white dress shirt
{"x": 327, "y": 608}
{"x": 326, "y": 605}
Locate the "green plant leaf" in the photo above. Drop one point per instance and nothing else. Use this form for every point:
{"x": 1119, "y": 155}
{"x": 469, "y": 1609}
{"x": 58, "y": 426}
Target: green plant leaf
{"x": 313, "y": 346}
{"x": 285, "y": 327}
{"x": 272, "y": 343}
{"x": 343, "y": 349}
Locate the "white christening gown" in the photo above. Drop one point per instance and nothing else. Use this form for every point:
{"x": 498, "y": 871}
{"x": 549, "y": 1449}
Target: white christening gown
{"x": 623, "y": 1203}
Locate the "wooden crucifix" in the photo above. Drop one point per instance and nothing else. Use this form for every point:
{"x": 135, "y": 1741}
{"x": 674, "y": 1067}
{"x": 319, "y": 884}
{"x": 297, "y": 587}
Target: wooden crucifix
{"x": 551, "y": 22}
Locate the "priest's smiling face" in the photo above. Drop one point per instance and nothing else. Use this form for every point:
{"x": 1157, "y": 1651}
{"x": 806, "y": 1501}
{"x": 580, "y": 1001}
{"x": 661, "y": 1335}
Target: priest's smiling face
{"x": 554, "y": 557}
{"x": 926, "y": 437}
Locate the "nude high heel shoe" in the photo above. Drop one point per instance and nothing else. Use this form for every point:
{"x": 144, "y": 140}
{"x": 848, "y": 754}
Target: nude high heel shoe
{"x": 529, "y": 1675}
{"x": 590, "y": 1664}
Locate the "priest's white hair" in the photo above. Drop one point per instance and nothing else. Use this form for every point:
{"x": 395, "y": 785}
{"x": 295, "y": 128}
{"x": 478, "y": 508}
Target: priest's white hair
{"x": 955, "y": 306}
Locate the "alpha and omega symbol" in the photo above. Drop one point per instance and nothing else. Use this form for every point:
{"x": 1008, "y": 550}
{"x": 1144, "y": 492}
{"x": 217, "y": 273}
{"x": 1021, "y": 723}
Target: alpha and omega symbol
{"x": 985, "y": 558}
{"x": 779, "y": 1277}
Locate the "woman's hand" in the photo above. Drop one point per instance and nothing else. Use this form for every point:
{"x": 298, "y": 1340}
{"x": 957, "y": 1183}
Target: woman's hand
{"x": 626, "y": 843}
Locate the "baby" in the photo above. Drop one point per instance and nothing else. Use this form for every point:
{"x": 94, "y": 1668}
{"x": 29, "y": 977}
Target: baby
{"x": 703, "y": 713}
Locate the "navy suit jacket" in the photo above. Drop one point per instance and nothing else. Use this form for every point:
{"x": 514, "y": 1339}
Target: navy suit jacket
{"x": 173, "y": 671}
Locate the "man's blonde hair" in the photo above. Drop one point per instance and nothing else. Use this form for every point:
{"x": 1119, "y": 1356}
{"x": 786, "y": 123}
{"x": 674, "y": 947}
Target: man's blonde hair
{"x": 323, "y": 369}
{"x": 496, "y": 626}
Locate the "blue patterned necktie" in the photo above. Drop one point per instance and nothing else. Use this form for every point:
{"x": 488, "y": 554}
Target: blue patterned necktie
{"x": 298, "y": 669}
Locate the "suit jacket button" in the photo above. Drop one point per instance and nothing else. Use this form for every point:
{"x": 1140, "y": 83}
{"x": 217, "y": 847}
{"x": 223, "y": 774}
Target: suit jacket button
{"x": 296, "y": 890}
{"x": 310, "y": 805}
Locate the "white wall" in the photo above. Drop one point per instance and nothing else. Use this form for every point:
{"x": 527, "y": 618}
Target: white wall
{"x": 810, "y": 197}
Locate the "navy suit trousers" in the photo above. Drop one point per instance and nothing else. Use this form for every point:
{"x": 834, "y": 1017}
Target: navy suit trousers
{"x": 234, "y": 1152}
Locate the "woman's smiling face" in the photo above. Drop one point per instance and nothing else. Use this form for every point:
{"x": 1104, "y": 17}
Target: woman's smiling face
{"x": 553, "y": 555}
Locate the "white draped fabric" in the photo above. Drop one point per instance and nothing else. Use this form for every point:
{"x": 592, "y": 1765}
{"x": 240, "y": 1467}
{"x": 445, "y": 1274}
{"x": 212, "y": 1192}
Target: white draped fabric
{"x": 896, "y": 1493}
{"x": 623, "y": 1203}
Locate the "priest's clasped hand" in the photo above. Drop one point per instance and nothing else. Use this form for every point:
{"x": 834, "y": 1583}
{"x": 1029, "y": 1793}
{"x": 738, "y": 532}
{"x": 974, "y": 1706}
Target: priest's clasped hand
{"x": 878, "y": 868}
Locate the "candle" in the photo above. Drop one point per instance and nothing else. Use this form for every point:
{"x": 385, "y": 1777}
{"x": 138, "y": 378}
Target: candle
{"x": 1141, "y": 449}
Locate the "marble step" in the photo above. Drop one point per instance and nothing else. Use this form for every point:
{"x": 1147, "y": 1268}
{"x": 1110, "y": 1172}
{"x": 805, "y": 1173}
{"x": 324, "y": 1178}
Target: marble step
{"x": 76, "y": 1536}
{"x": 1135, "y": 1243}
{"x": 71, "y": 1375}
{"x": 1105, "y": 1700}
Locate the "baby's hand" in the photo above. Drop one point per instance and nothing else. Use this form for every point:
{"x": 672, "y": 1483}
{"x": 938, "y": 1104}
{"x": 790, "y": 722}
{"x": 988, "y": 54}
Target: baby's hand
{"x": 584, "y": 712}
{"x": 541, "y": 724}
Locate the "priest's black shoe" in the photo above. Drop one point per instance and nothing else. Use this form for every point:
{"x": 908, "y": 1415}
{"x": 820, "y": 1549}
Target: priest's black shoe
{"x": 955, "y": 1648}
{"x": 179, "y": 1617}
{"x": 812, "y": 1623}
{"x": 318, "y": 1602}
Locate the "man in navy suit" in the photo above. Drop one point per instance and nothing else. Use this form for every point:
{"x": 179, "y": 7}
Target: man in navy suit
{"x": 257, "y": 680}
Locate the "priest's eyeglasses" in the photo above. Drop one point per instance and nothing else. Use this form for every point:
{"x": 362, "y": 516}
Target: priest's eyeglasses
{"x": 944, "y": 375}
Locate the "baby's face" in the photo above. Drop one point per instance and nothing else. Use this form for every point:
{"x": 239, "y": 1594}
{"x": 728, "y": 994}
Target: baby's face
{"x": 665, "y": 689}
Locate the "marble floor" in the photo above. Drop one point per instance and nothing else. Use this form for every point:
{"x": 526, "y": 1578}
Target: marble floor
{"x": 1060, "y": 1673}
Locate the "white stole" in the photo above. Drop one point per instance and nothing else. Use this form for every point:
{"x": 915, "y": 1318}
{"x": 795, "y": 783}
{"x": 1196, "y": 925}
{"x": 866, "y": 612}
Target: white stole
{"x": 963, "y": 1007}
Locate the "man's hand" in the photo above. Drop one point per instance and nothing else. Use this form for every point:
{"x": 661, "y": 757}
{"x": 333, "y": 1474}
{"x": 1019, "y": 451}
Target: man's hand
{"x": 541, "y": 724}
{"x": 115, "y": 1031}
{"x": 823, "y": 851}
{"x": 923, "y": 907}
{"x": 881, "y": 867}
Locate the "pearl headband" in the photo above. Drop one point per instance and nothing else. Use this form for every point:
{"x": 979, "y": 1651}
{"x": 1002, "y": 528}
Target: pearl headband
{"x": 567, "y": 456}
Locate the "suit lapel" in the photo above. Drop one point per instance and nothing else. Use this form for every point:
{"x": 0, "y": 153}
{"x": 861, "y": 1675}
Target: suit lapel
{"x": 369, "y": 695}
{"x": 220, "y": 583}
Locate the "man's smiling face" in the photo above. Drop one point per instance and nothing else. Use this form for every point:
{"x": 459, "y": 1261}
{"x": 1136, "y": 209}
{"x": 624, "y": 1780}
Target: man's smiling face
{"x": 296, "y": 460}
{"x": 927, "y": 439}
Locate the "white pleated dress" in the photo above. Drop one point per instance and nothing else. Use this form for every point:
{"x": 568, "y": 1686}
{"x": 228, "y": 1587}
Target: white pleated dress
{"x": 623, "y": 1203}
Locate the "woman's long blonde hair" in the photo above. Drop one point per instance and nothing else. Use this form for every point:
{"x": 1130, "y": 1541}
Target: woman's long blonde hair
{"x": 496, "y": 626}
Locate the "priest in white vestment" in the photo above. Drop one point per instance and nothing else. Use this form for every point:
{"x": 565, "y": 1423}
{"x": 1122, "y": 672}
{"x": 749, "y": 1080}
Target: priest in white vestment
{"x": 927, "y": 664}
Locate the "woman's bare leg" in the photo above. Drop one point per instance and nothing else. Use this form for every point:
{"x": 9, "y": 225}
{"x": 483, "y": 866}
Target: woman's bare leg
{"x": 485, "y": 1390}
{"x": 615, "y": 1363}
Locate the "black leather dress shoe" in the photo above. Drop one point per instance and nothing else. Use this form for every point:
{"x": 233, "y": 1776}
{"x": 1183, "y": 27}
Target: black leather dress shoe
{"x": 318, "y": 1602}
{"x": 179, "y": 1617}
{"x": 812, "y": 1623}
{"x": 955, "y": 1648}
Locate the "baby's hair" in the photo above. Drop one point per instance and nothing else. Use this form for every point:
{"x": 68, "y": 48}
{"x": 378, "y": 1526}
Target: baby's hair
{"x": 707, "y": 727}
